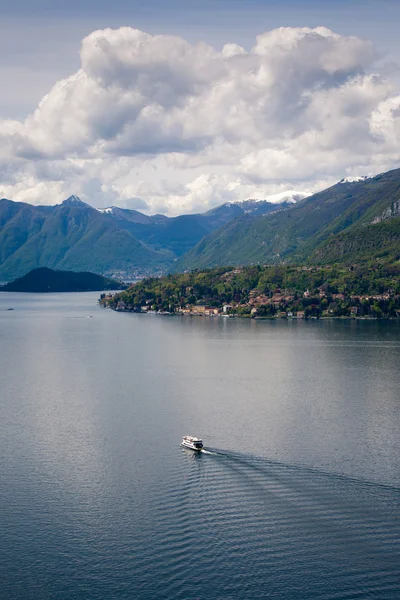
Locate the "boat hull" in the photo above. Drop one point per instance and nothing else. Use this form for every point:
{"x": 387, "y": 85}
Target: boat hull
{"x": 186, "y": 445}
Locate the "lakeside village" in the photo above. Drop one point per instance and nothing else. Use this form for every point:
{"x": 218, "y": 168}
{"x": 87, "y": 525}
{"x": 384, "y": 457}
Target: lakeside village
{"x": 243, "y": 293}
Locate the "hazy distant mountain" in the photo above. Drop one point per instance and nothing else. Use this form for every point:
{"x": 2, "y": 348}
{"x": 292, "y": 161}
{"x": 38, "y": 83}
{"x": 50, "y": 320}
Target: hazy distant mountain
{"x": 179, "y": 234}
{"x": 75, "y": 236}
{"x": 349, "y": 221}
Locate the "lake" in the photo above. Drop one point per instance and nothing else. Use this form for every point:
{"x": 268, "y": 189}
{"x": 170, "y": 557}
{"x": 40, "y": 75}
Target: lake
{"x": 297, "y": 496}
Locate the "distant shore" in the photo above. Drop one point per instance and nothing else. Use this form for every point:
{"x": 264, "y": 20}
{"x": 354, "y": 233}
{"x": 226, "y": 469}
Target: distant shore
{"x": 269, "y": 291}
{"x": 253, "y": 318}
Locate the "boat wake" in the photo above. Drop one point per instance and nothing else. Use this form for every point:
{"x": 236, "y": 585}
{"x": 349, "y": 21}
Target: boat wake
{"x": 327, "y": 535}
{"x": 342, "y": 532}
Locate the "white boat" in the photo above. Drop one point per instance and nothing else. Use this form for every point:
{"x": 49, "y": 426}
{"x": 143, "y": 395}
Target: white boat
{"x": 194, "y": 443}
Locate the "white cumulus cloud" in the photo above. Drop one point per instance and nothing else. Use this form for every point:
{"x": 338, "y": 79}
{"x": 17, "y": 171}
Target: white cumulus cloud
{"x": 156, "y": 122}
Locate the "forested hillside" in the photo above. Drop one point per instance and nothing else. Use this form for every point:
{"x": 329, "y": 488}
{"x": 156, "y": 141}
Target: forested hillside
{"x": 350, "y": 222}
{"x": 76, "y": 236}
{"x": 368, "y": 290}
{"x": 70, "y": 236}
{"x": 298, "y": 235}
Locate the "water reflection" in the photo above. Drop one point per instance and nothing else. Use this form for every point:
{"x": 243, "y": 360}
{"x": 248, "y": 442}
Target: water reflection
{"x": 99, "y": 500}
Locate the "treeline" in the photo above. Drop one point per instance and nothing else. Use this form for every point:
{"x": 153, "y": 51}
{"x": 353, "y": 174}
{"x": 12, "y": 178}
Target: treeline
{"x": 381, "y": 240}
{"x": 372, "y": 290}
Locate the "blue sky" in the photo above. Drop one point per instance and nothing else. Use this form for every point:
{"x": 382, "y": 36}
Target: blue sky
{"x": 137, "y": 120}
{"x": 40, "y": 41}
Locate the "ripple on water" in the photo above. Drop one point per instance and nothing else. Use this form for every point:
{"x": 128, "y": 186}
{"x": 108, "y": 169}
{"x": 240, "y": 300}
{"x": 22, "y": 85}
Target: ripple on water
{"x": 233, "y": 525}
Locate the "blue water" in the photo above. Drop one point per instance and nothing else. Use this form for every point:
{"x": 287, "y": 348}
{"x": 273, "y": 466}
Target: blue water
{"x": 298, "y": 496}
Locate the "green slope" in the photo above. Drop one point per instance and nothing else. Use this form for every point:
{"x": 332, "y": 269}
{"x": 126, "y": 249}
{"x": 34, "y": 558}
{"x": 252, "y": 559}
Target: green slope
{"x": 18, "y": 223}
{"x": 368, "y": 290}
{"x": 294, "y": 234}
{"x": 234, "y": 243}
{"x": 379, "y": 241}
{"x": 78, "y": 237}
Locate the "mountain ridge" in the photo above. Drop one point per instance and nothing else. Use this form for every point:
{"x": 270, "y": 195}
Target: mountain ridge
{"x": 76, "y": 236}
{"x": 65, "y": 236}
{"x": 355, "y": 219}
{"x": 294, "y": 234}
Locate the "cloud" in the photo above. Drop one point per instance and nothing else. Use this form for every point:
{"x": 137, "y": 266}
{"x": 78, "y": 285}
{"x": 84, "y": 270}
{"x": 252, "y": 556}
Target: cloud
{"x": 165, "y": 124}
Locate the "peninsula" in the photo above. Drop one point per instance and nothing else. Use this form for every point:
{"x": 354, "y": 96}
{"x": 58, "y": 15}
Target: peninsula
{"x": 367, "y": 291}
{"x": 46, "y": 280}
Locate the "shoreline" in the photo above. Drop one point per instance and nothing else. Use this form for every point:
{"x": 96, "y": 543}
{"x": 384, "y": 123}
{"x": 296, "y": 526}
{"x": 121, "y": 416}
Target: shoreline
{"x": 252, "y": 318}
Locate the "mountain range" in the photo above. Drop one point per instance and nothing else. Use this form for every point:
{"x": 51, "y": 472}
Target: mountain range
{"x": 354, "y": 220}
{"x": 357, "y": 219}
{"x": 75, "y": 236}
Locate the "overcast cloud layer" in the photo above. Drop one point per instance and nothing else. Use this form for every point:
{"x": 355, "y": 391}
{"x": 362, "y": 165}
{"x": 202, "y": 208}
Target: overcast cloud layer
{"x": 162, "y": 125}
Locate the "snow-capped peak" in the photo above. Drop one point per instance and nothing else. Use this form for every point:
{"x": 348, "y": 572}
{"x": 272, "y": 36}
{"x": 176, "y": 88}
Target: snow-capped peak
{"x": 354, "y": 179}
{"x": 109, "y": 210}
{"x": 290, "y": 197}
{"x": 74, "y": 201}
